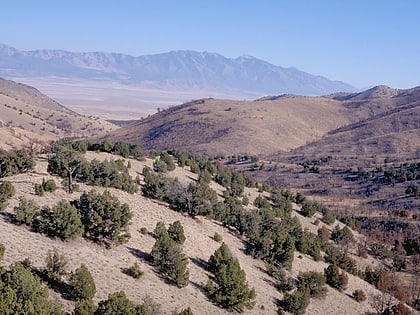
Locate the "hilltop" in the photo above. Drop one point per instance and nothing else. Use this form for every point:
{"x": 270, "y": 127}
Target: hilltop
{"x": 32, "y": 119}
{"x": 284, "y": 123}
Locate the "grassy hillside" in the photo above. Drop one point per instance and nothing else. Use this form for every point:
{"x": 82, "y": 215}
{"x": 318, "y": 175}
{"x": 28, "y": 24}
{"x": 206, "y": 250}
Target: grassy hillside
{"x": 29, "y": 118}
{"x": 107, "y": 264}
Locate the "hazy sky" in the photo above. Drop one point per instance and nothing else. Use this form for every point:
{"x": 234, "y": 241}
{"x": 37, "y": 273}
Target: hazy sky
{"x": 361, "y": 42}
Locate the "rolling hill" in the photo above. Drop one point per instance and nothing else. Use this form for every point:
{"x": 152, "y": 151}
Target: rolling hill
{"x": 30, "y": 118}
{"x": 284, "y": 123}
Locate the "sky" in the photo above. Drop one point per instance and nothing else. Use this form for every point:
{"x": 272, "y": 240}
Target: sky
{"x": 361, "y": 42}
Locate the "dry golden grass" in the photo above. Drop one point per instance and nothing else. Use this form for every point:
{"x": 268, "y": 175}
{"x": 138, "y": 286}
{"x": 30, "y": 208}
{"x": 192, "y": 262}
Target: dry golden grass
{"x": 22, "y": 123}
{"x": 106, "y": 264}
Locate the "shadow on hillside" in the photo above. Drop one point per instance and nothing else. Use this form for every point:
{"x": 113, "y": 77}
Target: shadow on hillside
{"x": 199, "y": 262}
{"x": 64, "y": 289}
{"x": 140, "y": 254}
{"x": 8, "y": 217}
{"x": 200, "y": 287}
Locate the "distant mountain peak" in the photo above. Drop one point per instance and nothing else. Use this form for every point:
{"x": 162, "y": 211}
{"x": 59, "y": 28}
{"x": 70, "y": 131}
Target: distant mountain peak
{"x": 182, "y": 69}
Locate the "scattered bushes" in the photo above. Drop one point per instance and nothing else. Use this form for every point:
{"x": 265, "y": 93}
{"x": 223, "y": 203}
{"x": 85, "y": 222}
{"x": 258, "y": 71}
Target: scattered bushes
{"x": 296, "y": 302}
{"x": 46, "y": 186}
{"x": 176, "y": 232}
{"x": 217, "y": 237}
{"x": 314, "y": 281}
{"x": 12, "y": 163}
{"x": 26, "y": 211}
{"x": 82, "y": 283}
{"x": 336, "y": 279}
{"x": 2, "y": 250}
{"x": 56, "y": 264}
{"x": 23, "y": 292}
{"x": 134, "y": 271}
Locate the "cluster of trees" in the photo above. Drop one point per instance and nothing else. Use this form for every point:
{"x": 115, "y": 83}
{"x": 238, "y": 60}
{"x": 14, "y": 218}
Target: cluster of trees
{"x": 12, "y": 163}
{"x": 167, "y": 253}
{"x": 48, "y": 185}
{"x": 69, "y": 163}
{"x": 99, "y": 217}
{"x": 228, "y": 286}
{"x": 22, "y": 291}
{"x": 272, "y": 234}
{"x": 121, "y": 148}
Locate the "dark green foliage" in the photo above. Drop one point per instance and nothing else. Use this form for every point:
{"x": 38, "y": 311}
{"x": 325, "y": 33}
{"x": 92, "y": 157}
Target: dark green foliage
{"x": 204, "y": 177}
{"x": 282, "y": 282}
{"x": 309, "y": 244}
{"x": 168, "y": 257}
{"x": 46, "y": 186}
{"x": 309, "y": 209}
{"x": 261, "y": 202}
{"x": 26, "y": 211}
{"x": 359, "y": 295}
{"x": 282, "y": 250}
{"x": 381, "y": 251}
{"x": 2, "y": 250}
{"x": 104, "y": 218}
{"x": 123, "y": 149}
{"x": 341, "y": 258}
{"x": 82, "y": 283}
{"x": 219, "y": 258}
{"x": 56, "y": 264}
{"x": 342, "y": 236}
{"x": 165, "y": 163}
{"x": 117, "y": 303}
{"x": 15, "y": 162}
{"x": 157, "y": 186}
{"x": 314, "y": 281}
{"x": 22, "y": 293}
{"x": 108, "y": 174}
{"x": 168, "y": 160}
{"x": 412, "y": 245}
{"x": 217, "y": 237}
{"x": 336, "y": 279}
{"x": 66, "y": 163}
{"x": 7, "y": 190}
{"x": 84, "y": 307}
{"x": 144, "y": 231}
{"x": 69, "y": 163}
{"x": 176, "y": 232}
{"x": 49, "y": 185}
{"x": 229, "y": 288}
{"x": 134, "y": 271}
{"x": 328, "y": 216}
{"x": 282, "y": 202}
{"x": 61, "y": 221}
{"x": 296, "y": 302}
{"x": 372, "y": 276}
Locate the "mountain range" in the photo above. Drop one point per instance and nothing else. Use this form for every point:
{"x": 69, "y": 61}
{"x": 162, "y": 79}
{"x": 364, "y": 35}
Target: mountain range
{"x": 179, "y": 70}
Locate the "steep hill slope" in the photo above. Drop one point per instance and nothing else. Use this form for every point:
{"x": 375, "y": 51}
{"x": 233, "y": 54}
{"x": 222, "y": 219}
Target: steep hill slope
{"x": 106, "y": 265}
{"x": 28, "y": 116}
